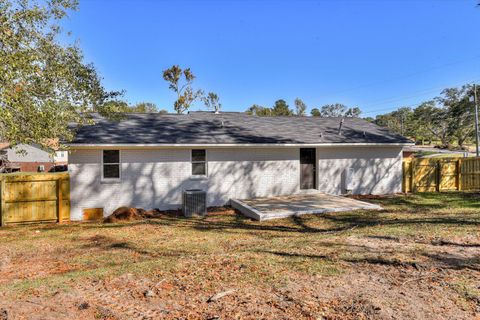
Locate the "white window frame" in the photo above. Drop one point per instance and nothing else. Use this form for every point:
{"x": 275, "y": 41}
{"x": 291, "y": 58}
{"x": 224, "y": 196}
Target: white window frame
{"x": 206, "y": 164}
{"x": 119, "y": 166}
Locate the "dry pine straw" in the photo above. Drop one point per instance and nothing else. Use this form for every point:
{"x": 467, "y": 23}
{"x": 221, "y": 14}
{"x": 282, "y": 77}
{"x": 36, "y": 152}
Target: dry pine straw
{"x": 418, "y": 258}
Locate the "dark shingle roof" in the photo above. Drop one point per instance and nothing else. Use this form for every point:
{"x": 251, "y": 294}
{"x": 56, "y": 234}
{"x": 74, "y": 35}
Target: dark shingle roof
{"x": 231, "y": 128}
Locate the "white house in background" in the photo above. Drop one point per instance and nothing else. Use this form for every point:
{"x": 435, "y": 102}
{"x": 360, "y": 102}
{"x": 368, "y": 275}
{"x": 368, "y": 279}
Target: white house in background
{"x": 32, "y": 158}
{"x": 147, "y": 160}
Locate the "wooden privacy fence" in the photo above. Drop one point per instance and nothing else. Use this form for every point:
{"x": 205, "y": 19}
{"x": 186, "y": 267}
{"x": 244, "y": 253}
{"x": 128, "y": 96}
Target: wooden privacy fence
{"x": 34, "y": 197}
{"x": 441, "y": 174}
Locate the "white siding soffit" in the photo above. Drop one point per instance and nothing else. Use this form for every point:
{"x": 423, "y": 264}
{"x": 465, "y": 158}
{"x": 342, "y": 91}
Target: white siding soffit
{"x": 239, "y": 145}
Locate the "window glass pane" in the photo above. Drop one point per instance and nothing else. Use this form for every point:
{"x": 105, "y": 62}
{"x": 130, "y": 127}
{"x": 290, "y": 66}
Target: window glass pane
{"x": 199, "y": 169}
{"x": 111, "y": 156}
{"x": 198, "y": 155}
{"x": 111, "y": 171}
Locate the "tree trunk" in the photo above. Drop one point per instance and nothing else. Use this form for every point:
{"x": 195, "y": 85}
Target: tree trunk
{"x": 460, "y": 142}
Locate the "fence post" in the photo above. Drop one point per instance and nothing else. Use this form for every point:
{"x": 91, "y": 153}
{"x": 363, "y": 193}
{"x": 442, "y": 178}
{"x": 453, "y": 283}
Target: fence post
{"x": 438, "y": 167}
{"x": 59, "y": 200}
{"x": 459, "y": 174}
{"x": 2, "y": 201}
{"x": 413, "y": 185}
{"x": 411, "y": 176}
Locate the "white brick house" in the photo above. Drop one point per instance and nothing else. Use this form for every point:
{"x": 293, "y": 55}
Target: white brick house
{"x": 147, "y": 160}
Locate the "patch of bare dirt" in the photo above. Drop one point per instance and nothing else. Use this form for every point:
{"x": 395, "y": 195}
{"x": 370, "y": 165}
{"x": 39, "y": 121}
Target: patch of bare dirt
{"x": 375, "y": 285}
{"x": 34, "y": 265}
{"x": 421, "y": 252}
{"x": 373, "y": 196}
{"x": 382, "y": 277}
{"x": 125, "y": 214}
{"x": 367, "y": 292}
{"x": 385, "y": 292}
{"x": 224, "y": 210}
{"x": 131, "y": 214}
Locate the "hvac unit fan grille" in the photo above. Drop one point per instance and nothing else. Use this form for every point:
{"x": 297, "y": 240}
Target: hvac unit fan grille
{"x": 194, "y": 202}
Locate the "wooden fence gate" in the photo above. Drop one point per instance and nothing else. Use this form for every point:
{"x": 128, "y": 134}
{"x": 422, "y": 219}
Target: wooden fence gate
{"x": 441, "y": 174}
{"x": 34, "y": 197}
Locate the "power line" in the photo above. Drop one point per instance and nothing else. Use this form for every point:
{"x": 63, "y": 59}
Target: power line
{"x": 408, "y": 97}
{"x": 433, "y": 89}
{"x": 393, "y": 108}
{"x": 412, "y": 106}
{"x": 407, "y": 75}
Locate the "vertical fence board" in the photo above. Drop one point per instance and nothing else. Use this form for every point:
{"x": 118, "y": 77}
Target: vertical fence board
{"x": 459, "y": 175}
{"x": 38, "y": 197}
{"x": 65, "y": 192}
{"x": 2, "y": 201}
{"x": 407, "y": 176}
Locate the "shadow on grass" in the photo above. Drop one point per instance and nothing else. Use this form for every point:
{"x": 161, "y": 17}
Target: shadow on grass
{"x": 428, "y": 200}
{"x": 297, "y": 255}
{"x": 409, "y": 210}
{"x": 382, "y": 237}
{"x": 335, "y": 222}
{"x": 384, "y": 262}
{"x": 455, "y": 262}
{"x": 103, "y": 243}
{"x": 437, "y": 260}
{"x": 456, "y": 244}
{"x": 359, "y": 260}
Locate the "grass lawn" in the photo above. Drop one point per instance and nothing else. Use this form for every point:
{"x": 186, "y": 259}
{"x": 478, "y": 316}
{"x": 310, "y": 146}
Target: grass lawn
{"x": 419, "y": 258}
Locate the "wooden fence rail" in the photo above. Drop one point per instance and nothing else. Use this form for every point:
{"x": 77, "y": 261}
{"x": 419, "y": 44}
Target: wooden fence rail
{"x": 34, "y": 197}
{"x": 441, "y": 174}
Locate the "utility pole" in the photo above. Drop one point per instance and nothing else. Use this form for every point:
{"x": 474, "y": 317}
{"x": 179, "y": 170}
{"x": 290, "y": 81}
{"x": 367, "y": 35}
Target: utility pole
{"x": 475, "y": 101}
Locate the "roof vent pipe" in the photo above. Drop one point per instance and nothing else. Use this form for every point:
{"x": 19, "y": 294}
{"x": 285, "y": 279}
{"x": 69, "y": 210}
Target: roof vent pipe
{"x": 340, "y": 126}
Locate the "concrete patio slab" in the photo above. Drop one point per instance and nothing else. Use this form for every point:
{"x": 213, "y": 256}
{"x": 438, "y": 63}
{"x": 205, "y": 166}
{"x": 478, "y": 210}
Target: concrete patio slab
{"x": 296, "y": 205}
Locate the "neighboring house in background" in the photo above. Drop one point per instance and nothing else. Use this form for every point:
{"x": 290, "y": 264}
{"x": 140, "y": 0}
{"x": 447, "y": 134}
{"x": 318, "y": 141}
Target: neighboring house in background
{"x": 33, "y": 158}
{"x": 147, "y": 160}
{"x": 3, "y": 156}
{"x": 409, "y": 153}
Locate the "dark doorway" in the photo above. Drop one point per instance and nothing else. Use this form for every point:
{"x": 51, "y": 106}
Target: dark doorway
{"x": 307, "y": 168}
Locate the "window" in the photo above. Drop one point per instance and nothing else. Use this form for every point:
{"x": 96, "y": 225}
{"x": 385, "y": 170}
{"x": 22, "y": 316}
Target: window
{"x": 199, "y": 162}
{"x": 111, "y": 164}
